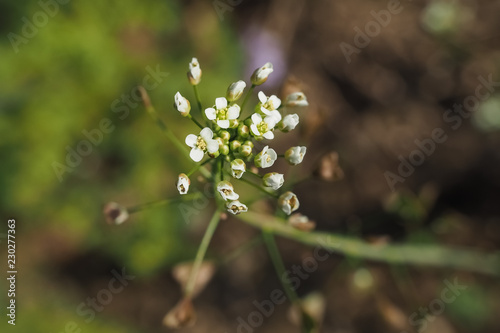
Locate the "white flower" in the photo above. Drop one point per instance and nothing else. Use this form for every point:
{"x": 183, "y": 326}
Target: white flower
{"x": 261, "y": 74}
{"x": 296, "y": 99}
{"x": 265, "y": 158}
{"x": 201, "y": 144}
{"x": 194, "y": 74}
{"x": 238, "y": 168}
{"x": 226, "y": 191}
{"x": 274, "y": 180}
{"x": 223, "y": 114}
{"x": 235, "y": 90}
{"x": 183, "y": 183}
{"x": 295, "y": 155}
{"x": 182, "y": 104}
{"x": 263, "y": 127}
{"x": 269, "y": 104}
{"x": 290, "y": 121}
{"x": 288, "y": 202}
{"x": 236, "y": 207}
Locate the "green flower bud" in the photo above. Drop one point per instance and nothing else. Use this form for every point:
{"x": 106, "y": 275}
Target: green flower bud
{"x": 233, "y": 123}
{"x": 261, "y": 74}
{"x": 224, "y": 150}
{"x": 238, "y": 168}
{"x": 243, "y": 131}
{"x": 225, "y": 136}
{"x": 248, "y": 143}
{"x": 245, "y": 150}
{"x": 235, "y": 90}
{"x": 234, "y": 145}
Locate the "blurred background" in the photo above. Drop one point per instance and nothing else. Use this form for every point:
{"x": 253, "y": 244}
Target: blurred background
{"x": 378, "y": 76}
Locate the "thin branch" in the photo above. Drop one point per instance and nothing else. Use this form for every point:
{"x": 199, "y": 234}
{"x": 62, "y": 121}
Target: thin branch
{"x": 410, "y": 254}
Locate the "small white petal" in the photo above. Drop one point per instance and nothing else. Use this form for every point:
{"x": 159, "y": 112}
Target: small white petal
{"x": 233, "y": 112}
{"x": 220, "y": 103}
{"x": 262, "y": 97}
{"x": 256, "y": 118}
{"x": 269, "y": 135}
{"x": 223, "y": 123}
{"x": 254, "y": 130}
{"x": 275, "y": 101}
{"x": 191, "y": 140}
{"x": 272, "y": 154}
{"x": 196, "y": 154}
{"x": 206, "y": 134}
{"x": 212, "y": 146}
{"x": 210, "y": 113}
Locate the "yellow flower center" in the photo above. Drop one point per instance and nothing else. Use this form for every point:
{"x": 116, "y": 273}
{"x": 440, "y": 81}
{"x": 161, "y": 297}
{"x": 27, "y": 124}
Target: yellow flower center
{"x": 200, "y": 143}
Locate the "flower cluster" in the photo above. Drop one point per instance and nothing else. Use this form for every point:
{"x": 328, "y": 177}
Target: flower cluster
{"x": 230, "y": 138}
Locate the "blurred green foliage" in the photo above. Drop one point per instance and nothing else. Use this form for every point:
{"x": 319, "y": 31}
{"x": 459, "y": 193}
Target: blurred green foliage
{"x": 64, "y": 81}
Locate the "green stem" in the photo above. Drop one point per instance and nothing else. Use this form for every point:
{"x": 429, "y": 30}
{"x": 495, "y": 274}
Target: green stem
{"x": 409, "y": 254}
{"x": 170, "y": 135}
{"x": 212, "y": 225}
{"x": 198, "y": 166}
{"x": 247, "y": 96}
{"x": 274, "y": 195}
{"x": 253, "y": 173}
{"x": 154, "y": 204}
{"x": 198, "y": 100}
{"x": 279, "y": 266}
{"x": 195, "y": 121}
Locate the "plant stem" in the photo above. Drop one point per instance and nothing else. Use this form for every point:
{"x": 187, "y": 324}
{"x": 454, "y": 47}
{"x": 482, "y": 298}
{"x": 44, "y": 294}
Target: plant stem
{"x": 409, "y": 254}
{"x": 274, "y": 195}
{"x": 170, "y": 135}
{"x": 195, "y": 121}
{"x": 247, "y": 96}
{"x": 212, "y": 225}
{"x": 279, "y": 266}
{"x": 198, "y": 99}
{"x": 154, "y": 204}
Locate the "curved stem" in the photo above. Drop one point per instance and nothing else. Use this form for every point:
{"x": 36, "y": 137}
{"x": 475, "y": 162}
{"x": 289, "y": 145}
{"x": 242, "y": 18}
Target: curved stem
{"x": 274, "y": 195}
{"x": 279, "y": 266}
{"x": 154, "y": 204}
{"x": 202, "y": 250}
{"x": 409, "y": 254}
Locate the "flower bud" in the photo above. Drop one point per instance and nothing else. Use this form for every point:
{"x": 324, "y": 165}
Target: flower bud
{"x": 261, "y": 74}
{"x": 224, "y": 150}
{"x": 194, "y": 74}
{"x": 265, "y": 158}
{"x": 295, "y": 155}
{"x": 115, "y": 213}
{"x": 238, "y": 168}
{"x": 288, "y": 202}
{"x": 301, "y": 222}
{"x": 245, "y": 150}
{"x": 243, "y": 131}
{"x": 182, "y": 315}
{"x": 273, "y": 180}
{"x": 235, "y": 90}
{"x": 289, "y": 122}
{"x": 235, "y": 145}
{"x": 226, "y": 190}
{"x": 182, "y": 104}
{"x": 234, "y": 123}
{"x": 236, "y": 207}
{"x": 225, "y": 136}
{"x": 183, "y": 183}
{"x": 214, "y": 154}
{"x": 296, "y": 99}
{"x": 249, "y": 143}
